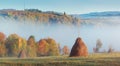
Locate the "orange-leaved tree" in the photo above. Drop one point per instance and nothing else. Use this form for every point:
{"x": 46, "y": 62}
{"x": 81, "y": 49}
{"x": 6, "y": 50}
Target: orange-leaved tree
{"x": 2, "y": 45}
{"x": 43, "y": 48}
{"x": 66, "y": 50}
{"x": 48, "y": 47}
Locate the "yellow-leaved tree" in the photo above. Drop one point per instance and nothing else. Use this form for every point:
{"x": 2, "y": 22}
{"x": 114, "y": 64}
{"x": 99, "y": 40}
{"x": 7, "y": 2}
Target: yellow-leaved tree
{"x": 15, "y": 44}
{"x": 31, "y": 47}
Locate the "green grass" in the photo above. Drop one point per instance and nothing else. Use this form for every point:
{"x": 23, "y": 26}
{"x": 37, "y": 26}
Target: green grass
{"x": 98, "y": 59}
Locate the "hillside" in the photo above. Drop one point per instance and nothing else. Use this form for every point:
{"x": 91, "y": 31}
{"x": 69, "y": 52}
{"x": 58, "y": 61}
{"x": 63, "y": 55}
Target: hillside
{"x": 50, "y": 17}
{"x": 37, "y": 16}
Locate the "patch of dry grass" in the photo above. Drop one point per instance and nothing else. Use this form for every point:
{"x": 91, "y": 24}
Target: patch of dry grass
{"x": 95, "y": 59}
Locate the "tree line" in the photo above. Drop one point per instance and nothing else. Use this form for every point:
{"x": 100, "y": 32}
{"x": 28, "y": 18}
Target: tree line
{"x": 98, "y": 47}
{"x": 12, "y": 45}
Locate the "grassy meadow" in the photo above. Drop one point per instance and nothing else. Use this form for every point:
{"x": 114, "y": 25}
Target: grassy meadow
{"x": 96, "y": 59}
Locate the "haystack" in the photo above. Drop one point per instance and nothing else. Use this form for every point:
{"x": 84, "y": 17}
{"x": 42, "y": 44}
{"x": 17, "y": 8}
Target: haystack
{"x": 79, "y": 49}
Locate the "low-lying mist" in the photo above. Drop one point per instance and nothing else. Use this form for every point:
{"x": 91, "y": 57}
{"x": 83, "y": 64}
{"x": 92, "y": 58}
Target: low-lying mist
{"x": 66, "y": 34}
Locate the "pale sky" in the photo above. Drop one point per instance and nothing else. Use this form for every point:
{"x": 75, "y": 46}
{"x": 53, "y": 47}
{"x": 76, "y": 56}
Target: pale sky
{"x": 68, "y": 6}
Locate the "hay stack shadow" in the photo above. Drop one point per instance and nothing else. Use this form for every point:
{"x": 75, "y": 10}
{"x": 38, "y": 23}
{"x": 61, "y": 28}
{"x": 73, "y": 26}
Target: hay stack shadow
{"x": 22, "y": 54}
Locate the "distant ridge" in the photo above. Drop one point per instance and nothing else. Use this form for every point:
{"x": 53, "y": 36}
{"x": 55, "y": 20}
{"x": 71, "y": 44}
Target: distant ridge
{"x": 98, "y": 14}
{"x": 100, "y": 18}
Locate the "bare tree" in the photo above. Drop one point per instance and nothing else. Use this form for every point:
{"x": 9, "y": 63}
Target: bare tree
{"x": 98, "y": 46}
{"x": 110, "y": 50}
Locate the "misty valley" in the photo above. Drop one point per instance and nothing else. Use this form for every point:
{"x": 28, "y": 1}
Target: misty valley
{"x": 58, "y": 39}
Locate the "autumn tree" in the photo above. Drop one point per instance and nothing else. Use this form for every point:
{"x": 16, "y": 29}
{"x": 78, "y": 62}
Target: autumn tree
{"x": 2, "y": 45}
{"x": 31, "y": 47}
{"x": 2, "y": 36}
{"x": 98, "y": 46}
{"x": 15, "y": 44}
{"x": 53, "y": 47}
{"x": 110, "y": 49}
{"x": 43, "y": 48}
{"x": 47, "y": 47}
{"x": 65, "y": 50}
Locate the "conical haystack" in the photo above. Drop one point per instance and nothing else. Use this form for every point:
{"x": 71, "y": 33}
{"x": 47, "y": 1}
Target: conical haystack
{"x": 79, "y": 49}
{"x": 22, "y": 54}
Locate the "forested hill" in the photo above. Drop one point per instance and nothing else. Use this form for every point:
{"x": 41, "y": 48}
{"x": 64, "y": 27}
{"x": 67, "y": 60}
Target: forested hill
{"x": 37, "y": 16}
